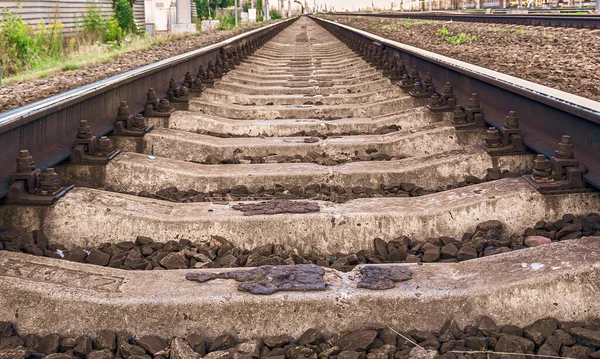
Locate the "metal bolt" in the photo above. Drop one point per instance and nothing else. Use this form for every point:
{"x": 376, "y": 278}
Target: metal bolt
{"x": 541, "y": 169}
{"x": 164, "y": 105}
{"x": 25, "y": 162}
{"x": 84, "y": 130}
{"x": 49, "y": 180}
{"x": 414, "y": 73}
{"x": 512, "y": 121}
{"x": 474, "y": 102}
{"x": 139, "y": 121}
{"x": 448, "y": 90}
{"x": 124, "y": 110}
{"x": 104, "y": 145}
{"x": 459, "y": 116}
{"x": 151, "y": 95}
{"x": 492, "y": 138}
{"x": 565, "y": 148}
{"x": 435, "y": 101}
{"x": 172, "y": 84}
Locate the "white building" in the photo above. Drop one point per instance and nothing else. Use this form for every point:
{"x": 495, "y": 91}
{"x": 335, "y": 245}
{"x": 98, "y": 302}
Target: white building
{"x": 173, "y": 16}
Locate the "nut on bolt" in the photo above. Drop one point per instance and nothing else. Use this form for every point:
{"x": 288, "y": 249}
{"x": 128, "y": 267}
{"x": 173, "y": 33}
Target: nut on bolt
{"x": 541, "y": 169}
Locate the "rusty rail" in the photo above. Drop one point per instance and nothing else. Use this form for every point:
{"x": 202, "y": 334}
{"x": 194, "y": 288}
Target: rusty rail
{"x": 577, "y": 21}
{"x": 48, "y": 128}
{"x": 545, "y": 114}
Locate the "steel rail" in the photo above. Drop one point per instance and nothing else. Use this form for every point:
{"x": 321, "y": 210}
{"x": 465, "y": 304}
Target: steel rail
{"x": 545, "y": 114}
{"x": 48, "y": 128}
{"x": 577, "y": 21}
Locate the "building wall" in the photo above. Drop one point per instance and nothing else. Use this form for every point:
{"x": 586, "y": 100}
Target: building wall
{"x": 69, "y": 12}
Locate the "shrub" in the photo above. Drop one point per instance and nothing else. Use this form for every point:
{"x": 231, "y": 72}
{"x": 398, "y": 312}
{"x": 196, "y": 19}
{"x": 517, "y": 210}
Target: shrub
{"x": 124, "y": 16}
{"x": 16, "y": 42}
{"x": 94, "y": 25}
{"x": 22, "y": 48}
{"x": 226, "y": 22}
{"x": 113, "y": 32}
{"x": 275, "y": 15}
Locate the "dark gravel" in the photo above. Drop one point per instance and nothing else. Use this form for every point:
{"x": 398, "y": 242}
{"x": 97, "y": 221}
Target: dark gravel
{"x": 577, "y": 340}
{"x": 145, "y": 254}
{"x": 311, "y": 157}
{"x": 320, "y": 192}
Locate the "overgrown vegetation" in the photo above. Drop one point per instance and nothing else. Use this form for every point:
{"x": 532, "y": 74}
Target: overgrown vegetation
{"x": 460, "y": 39}
{"x": 275, "y": 15}
{"x": 443, "y": 31}
{"x": 226, "y": 22}
{"x": 25, "y": 48}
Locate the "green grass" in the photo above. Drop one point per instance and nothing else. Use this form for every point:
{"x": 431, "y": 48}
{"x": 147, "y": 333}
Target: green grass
{"x": 519, "y": 32}
{"x": 88, "y": 55}
{"x": 460, "y": 39}
{"x": 548, "y": 36}
{"x": 443, "y": 31}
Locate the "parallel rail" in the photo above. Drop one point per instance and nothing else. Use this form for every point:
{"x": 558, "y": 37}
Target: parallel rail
{"x": 545, "y": 114}
{"x": 48, "y": 128}
{"x": 577, "y": 21}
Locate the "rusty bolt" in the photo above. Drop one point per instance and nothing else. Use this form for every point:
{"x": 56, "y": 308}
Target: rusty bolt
{"x": 104, "y": 146}
{"x": 474, "y": 102}
{"x": 428, "y": 81}
{"x": 151, "y": 98}
{"x": 512, "y": 121}
{"x": 25, "y": 162}
{"x": 492, "y": 138}
{"x": 201, "y": 73}
{"x": 49, "y": 180}
{"x": 188, "y": 78}
{"x": 124, "y": 110}
{"x": 183, "y": 91}
{"x": 448, "y": 90}
{"x": 459, "y": 116}
{"x": 414, "y": 73}
{"x": 164, "y": 106}
{"x": 405, "y": 80}
{"x": 435, "y": 101}
{"x": 172, "y": 84}
{"x": 417, "y": 88}
{"x": 139, "y": 121}
{"x": 565, "y": 148}
{"x": 541, "y": 169}
{"x": 84, "y": 130}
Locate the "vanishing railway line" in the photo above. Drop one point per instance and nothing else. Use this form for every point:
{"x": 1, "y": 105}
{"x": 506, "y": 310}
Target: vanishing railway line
{"x": 303, "y": 145}
{"x": 548, "y": 20}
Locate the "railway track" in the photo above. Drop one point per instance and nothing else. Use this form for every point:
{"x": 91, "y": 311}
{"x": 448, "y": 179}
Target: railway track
{"x": 326, "y": 159}
{"x": 577, "y": 21}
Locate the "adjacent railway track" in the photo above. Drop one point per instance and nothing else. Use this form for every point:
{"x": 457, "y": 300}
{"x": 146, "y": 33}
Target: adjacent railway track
{"x": 359, "y": 176}
{"x": 576, "y": 21}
